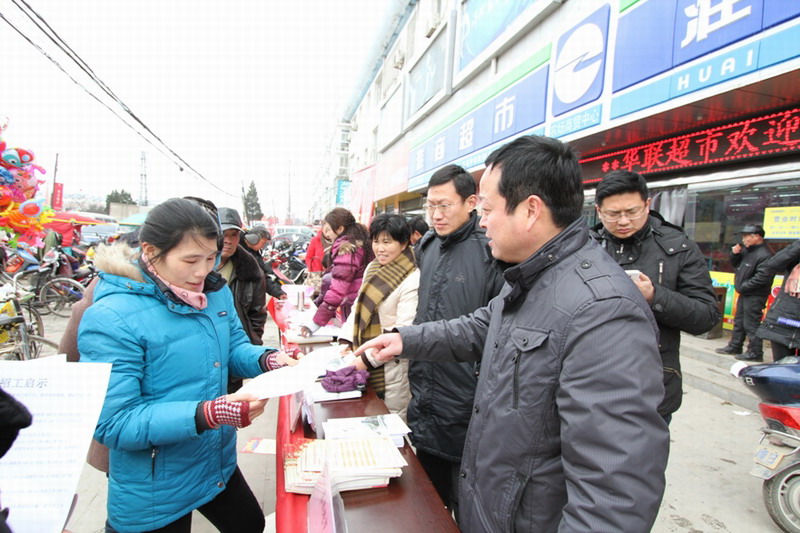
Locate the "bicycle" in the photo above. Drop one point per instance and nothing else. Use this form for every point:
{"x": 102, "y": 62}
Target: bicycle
{"x": 21, "y": 338}
{"x": 58, "y": 295}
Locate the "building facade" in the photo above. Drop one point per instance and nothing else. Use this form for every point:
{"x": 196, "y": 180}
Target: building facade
{"x": 700, "y": 96}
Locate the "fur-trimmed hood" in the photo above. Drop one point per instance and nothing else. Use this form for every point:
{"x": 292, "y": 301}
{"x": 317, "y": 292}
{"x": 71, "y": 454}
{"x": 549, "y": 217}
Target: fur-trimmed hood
{"x": 120, "y": 260}
{"x": 121, "y": 268}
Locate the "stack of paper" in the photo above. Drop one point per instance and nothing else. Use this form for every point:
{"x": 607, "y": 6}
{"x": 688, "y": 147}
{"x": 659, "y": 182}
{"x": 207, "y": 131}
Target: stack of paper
{"x": 380, "y": 426}
{"x": 353, "y": 464}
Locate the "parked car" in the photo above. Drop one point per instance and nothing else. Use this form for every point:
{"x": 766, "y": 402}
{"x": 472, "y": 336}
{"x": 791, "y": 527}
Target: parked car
{"x": 99, "y": 232}
{"x": 296, "y": 239}
{"x": 280, "y": 230}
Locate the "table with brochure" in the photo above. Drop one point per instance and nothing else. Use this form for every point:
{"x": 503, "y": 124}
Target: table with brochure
{"x": 408, "y": 503}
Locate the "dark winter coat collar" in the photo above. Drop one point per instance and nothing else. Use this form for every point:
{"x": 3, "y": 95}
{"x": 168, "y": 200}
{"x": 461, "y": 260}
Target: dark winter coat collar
{"x": 668, "y": 235}
{"x": 521, "y": 277}
{"x": 459, "y": 235}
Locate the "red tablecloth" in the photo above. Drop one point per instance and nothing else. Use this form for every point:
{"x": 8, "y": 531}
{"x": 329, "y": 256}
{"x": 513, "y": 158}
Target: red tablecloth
{"x": 290, "y": 509}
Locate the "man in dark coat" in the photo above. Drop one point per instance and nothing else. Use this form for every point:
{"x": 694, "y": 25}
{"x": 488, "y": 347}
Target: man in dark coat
{"x": 457, "y": 276}
{"x": 565, "y": 433}
{"x": 245, "y": 280}
{"x": 782, "y": 324}
{"x": 673, "y": 275}
{"x": 254, "y": 241}
{"x": 752, "y": 296}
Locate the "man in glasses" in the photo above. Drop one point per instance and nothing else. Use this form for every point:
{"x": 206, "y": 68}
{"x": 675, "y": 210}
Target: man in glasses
{"x": 457, "y": 276}
{"x": 665, "y": 265}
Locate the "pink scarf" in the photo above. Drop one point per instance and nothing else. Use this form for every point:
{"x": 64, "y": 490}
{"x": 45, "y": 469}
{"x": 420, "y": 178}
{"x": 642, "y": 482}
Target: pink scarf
{"x": 198, "y": 300}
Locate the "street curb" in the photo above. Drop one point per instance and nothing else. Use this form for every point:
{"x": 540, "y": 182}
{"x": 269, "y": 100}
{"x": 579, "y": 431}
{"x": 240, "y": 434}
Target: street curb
{"x": 708, "y": 371}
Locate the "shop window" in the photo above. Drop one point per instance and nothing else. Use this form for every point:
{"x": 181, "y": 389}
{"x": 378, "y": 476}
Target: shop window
{"x": 714, "y": 216}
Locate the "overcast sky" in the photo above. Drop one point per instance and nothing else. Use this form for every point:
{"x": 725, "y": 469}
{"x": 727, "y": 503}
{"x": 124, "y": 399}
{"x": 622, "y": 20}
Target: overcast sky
{"x": 240, "y": 89}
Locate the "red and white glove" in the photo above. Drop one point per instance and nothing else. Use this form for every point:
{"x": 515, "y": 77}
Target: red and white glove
{"x": 225, "y": 412}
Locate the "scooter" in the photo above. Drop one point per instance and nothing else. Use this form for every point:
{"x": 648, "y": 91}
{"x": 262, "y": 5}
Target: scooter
{"x": 777, "y": 455}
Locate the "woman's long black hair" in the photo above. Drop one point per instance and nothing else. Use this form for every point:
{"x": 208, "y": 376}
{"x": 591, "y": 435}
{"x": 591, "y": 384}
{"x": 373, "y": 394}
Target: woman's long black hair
{"x": 169, "y": 223}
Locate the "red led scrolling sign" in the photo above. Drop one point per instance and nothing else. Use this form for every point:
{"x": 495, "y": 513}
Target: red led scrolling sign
{"x": 756, "y": 137}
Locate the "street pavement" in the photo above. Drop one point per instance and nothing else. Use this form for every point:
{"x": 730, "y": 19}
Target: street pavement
{"x": 709, "y": 488}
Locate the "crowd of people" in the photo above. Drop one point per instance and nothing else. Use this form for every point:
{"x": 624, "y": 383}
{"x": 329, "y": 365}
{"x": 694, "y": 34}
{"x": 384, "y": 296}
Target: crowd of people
{"x": 535, "y": 359}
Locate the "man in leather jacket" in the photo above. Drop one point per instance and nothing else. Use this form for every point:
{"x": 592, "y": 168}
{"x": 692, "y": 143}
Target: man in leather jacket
{"x": 245, "y": 280}
{"x": 673, "y": 275}
{"x": 752, "y": 296}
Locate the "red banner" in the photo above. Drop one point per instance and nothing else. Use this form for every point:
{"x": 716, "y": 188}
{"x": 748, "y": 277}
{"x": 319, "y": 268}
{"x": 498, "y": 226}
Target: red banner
{"x": 57, "y": 200}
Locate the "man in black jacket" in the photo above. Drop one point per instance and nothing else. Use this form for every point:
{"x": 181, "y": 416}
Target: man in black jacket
{"x": 254, "y": 241}
{"x": 457, "y": 276}
{"x": 752, "y": 297}
{"x": 665, "y": 265}
{"x": 245, "y": 280}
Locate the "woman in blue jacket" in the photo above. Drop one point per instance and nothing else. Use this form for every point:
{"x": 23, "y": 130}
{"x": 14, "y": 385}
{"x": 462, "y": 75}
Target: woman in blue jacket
{"x": 167, "y": 323}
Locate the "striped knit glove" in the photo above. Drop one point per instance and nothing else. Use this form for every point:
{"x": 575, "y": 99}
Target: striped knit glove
{"x": 223, "y": 411}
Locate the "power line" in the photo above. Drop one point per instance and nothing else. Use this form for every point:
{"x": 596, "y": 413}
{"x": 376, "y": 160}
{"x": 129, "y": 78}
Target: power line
{"x": 61, "y": 44}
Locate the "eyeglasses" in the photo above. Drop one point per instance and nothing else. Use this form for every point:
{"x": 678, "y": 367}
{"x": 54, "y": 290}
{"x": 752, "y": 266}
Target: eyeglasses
{"x": 442, "y": 208}
{"x": 633, "y": 213}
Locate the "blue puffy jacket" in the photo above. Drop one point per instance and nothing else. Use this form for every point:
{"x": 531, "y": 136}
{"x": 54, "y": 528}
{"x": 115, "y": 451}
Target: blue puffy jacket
{"x": 167, "y": 357}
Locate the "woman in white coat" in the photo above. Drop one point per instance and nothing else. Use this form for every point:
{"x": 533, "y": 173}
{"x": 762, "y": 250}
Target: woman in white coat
{"x": 387, "y": 299}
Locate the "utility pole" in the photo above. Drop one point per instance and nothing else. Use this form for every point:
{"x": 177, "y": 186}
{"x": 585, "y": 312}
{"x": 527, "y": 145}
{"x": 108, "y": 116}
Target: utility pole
{"x": 143, "y": 181}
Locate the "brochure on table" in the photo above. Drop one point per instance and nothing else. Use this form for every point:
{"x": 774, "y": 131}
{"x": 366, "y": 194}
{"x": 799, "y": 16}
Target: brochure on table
{"x": 365, "y": 427}
{"x": 354, "y": 464}
{"x": 40, "y": 473}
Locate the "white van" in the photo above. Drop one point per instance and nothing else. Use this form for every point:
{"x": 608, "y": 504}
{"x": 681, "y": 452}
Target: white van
{"x": 98, "y": 232}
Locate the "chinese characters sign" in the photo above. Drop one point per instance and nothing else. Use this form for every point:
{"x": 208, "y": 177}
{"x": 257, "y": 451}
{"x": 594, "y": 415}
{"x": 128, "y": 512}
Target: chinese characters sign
{"x": 757, "y": 137}
{"x": 782, "y": 222}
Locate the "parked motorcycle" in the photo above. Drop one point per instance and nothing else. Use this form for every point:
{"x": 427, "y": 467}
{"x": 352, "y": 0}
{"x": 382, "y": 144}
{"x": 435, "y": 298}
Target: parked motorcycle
{"x": 287, "y": 264}
{"x": 777, "y": 456}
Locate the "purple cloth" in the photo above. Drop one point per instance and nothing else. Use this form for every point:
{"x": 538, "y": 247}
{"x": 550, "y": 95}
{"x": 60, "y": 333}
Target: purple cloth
{"x": 345, "y": 379}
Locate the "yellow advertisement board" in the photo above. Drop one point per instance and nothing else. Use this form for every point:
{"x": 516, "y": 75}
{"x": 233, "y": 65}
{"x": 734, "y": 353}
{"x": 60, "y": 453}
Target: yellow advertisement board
{"x": 782, "y": 222}
{"x": 725, "y": 279}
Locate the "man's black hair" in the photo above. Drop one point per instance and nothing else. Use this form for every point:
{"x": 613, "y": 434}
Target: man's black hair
{"x": 418, "y": 224}
{"x": 544, "y": 167}
{"x": 462, "y": 180}
{"x": 620, "y": 182}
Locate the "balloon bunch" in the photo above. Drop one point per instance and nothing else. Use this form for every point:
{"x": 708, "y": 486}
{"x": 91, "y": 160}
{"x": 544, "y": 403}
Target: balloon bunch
{"x": 21, "y": 215}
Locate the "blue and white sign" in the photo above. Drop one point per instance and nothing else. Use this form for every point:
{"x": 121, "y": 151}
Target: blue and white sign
{"x": 637, "y": 58}
{"x": 678, "y": 31}
{"x": 734, "y": 62}
{"x": 427, "y": 76}
{"x": 580, "y": 63}
{"x": 342, "y": 192}
{"x": 482, "y": 21}
{"x": 520, "y": 107}
{"x": 702, "y": 26}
